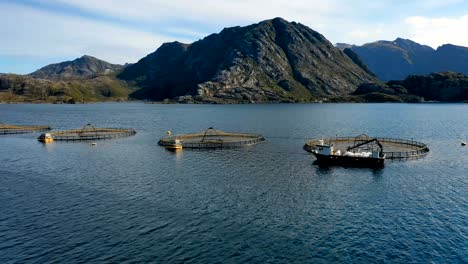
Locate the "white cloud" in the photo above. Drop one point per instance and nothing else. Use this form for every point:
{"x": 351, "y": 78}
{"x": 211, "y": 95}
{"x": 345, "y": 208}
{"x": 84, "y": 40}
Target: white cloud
{"x": 186, "y": 32}
{"x": 356, "y": 22}
{"x": 437, "y": 31}
{"x": 431, "y": 31}
{"x": 227, "y": 11}
{"x": 212, "y": 16}
{"x": 359, "y": 34}
{"x": 34, "y": 33}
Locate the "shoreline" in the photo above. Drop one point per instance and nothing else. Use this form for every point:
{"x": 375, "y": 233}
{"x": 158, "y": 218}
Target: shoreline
{"x": 233, "y": 103}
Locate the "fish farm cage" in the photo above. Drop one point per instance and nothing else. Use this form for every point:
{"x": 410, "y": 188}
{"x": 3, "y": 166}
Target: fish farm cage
{"x": 211, "y": 138}
{"x": 89, "y": 132}
{"x": 393, "y": 148}
{"x": 14, "y": 129}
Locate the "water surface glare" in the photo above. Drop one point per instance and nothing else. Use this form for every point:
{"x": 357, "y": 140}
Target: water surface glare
{"x": 128, "y": 200}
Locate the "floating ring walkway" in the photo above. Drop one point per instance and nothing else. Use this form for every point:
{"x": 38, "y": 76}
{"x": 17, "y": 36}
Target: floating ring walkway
{"x": 211, "y": 138}
{"x": 393, "y": 148}
{"x": 89, "y": 132}
{"x": 14, "y": 129}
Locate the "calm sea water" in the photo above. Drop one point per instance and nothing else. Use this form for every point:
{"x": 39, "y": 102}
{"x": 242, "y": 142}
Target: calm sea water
{"x": 129, "y": 200}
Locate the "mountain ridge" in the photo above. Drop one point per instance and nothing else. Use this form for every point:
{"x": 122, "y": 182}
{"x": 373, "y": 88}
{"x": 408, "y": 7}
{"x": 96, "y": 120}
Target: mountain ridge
{"x": 396, "y": 60}
{"x": 85, "y": 66}
{"x": 270, "y": 61}
{"x": 274, "y": 60}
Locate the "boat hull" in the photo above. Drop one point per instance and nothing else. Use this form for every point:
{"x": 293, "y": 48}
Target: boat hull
{"x": 348, "y": 161}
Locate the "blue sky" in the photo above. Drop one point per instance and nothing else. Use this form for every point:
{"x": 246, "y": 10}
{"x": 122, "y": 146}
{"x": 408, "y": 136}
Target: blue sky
{"x": 39, "y": 32}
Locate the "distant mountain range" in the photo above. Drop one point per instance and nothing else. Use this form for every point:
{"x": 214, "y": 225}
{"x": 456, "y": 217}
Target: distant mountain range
{"x": 85, "y": 79}
{"x": 396, "y": 60}
{"x": 271, "y": 61}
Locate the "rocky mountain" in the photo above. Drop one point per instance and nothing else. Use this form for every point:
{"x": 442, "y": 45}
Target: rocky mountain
{"x": 395, "y": 60}
{"x": 451, "y": 58}
{"x": 274, "y": 60}
{"x": 440, "y": 87}
{"x": 85, "y": 79}
{"x": 83, "y": 67}
{"x": 444, "y": 87}
{"x": 356, "y": 59}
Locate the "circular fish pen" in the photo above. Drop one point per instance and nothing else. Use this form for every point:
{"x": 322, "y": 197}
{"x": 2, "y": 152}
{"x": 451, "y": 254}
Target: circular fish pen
{"x": 88, "y": 132}
{"x": 393, "y": 148}
{"x": 211, "y": 138}
{"x": 13, "y": 129}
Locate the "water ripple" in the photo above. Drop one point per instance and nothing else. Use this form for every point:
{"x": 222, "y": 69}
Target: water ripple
{"x": 131, "y": 201}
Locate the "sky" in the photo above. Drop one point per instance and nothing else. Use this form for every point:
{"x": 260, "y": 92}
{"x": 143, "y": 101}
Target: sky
{"x": 35, "y": 33}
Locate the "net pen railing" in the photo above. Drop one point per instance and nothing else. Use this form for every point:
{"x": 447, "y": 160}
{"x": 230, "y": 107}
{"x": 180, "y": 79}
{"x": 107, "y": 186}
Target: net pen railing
{"x": 17, "y": 129}
{"x": 92, "y": 134}
{"x": 214, "y": 140}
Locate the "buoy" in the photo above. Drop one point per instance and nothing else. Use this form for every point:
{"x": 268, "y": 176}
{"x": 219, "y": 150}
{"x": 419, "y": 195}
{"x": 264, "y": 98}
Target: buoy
{"x": 169, "y": 132}
{"x": 93, "y": 144}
